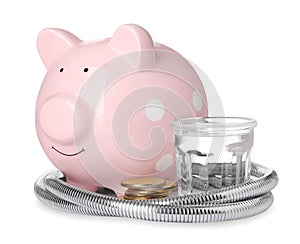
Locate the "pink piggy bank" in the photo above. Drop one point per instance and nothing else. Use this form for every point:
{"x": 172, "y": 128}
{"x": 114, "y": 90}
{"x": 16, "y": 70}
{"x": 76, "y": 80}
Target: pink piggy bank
{"x": 104, "y": 109}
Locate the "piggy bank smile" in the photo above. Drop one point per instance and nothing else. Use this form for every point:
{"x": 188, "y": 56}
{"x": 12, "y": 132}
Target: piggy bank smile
{"x": 67, "y": 154}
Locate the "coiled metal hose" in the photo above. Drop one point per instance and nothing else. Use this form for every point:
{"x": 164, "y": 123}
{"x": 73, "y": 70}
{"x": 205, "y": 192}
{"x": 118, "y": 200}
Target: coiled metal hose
{"x": 235, "y": 202}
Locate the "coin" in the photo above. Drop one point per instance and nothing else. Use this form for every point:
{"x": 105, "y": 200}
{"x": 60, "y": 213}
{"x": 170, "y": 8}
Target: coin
{"x": 170, "y": 185}
{"x": 167, "y": 188}
{"x": 145, "y": 188}
{"x": 143, "y": 182}
{"x": 144, "y": 193}
{"x": 127, "y": 197}
{"x": 133, "y": 192}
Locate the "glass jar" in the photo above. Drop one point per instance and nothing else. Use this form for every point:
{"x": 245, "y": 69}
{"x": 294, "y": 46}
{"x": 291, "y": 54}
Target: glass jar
{"x": 212, "y": 152}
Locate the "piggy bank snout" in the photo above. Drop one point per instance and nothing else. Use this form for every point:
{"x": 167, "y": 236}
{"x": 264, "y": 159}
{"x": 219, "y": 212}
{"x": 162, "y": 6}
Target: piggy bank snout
{"x": 62, "y": 118}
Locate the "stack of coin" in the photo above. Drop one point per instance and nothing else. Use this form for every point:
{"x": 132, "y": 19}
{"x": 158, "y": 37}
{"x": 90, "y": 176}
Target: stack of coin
{"x": 144, "y": 188}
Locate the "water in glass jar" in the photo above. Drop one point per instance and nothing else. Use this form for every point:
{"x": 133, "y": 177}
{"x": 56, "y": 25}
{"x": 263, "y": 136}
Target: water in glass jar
{"x": 206, "y": 162}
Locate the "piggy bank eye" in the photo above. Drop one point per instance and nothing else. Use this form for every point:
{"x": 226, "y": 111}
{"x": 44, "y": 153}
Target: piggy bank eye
{"x": 61, "y": 70}
{"x": 85, "y": 70}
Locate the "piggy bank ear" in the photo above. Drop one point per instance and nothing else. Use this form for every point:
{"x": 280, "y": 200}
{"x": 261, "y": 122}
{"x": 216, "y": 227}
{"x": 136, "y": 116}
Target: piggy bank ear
{"x": 131, "y": 38}
{"x": 52, "y": 43}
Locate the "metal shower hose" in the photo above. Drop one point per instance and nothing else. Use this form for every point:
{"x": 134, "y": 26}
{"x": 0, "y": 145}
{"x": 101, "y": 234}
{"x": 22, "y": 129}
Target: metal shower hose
{"x": 235, "y": 202}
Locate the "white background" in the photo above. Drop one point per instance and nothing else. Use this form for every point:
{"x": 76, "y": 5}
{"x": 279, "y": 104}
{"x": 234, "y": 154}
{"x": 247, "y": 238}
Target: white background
{"x": 249, "y": 49}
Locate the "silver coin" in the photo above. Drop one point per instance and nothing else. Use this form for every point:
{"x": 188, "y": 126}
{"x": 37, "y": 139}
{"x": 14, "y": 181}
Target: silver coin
{"x": 143, "y": 183}
{"x": 134, "y": 192}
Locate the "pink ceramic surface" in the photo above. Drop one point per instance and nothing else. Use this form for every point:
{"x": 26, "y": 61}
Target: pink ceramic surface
{"x": 124, "y": 144}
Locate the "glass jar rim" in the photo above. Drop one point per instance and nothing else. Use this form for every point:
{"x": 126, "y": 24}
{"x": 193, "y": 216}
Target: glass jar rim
{"x": 213, "y": 124}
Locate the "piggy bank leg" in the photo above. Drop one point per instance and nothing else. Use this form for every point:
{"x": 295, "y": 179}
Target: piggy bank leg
{"x": 106, "y": 191}
{"x": 85, "y": 186}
